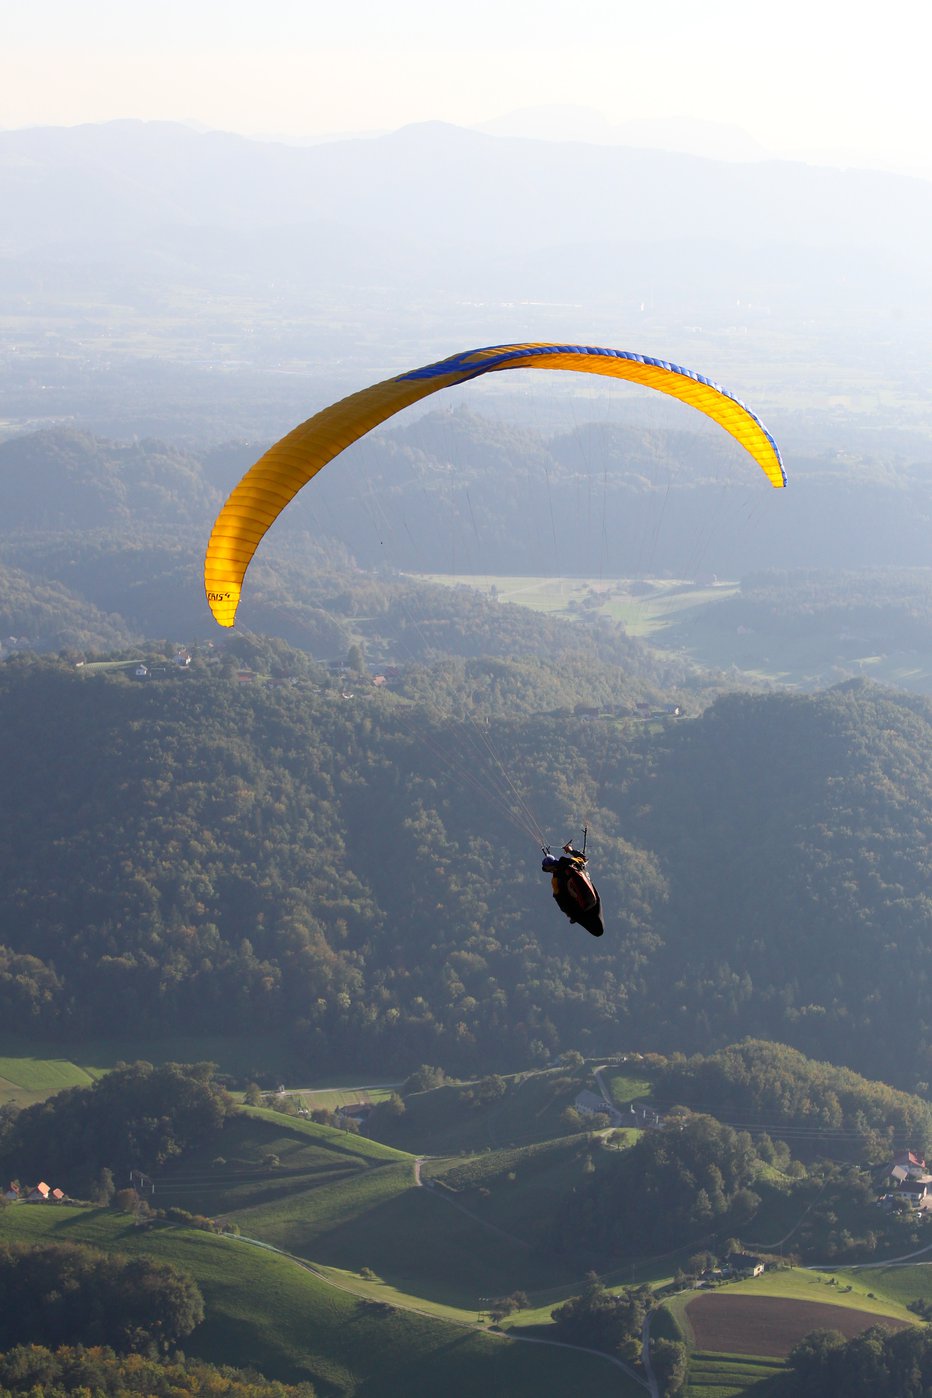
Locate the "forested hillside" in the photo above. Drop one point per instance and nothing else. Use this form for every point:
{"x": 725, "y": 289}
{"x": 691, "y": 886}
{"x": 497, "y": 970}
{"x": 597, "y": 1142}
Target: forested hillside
{"x": 800, "y": 907}
{"x": 800, "y": 1099}
{"x": 100, "y": 540}
{"x": 197, "y": 852}
{"x": 834, "y": 616}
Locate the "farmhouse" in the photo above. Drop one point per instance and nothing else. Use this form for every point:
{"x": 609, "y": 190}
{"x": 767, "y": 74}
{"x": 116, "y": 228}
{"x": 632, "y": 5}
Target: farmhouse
{"x": 917, "y": 1192}
{"x": 745, "y": 1264}
{"x": 40, "y": 1193}
{"x": 907, "y": 1165}
{"x": 589, "y": 1103}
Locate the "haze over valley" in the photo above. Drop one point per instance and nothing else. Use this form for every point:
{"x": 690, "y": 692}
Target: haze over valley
{"x": 307, "y": 1085}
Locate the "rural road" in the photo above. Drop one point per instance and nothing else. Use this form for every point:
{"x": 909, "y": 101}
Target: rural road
{"x": 366, "y": 1087}
{"x": 645, "y": 1357}
{"x": 650, "y": 1386}
{"x": 597, "y": 1076}
{"x": 903, "y": 1261}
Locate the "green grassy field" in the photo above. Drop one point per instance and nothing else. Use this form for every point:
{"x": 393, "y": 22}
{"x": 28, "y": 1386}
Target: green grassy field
{"x": 677, "y": 615}
{"x": 349, "y": 1203}
{"x": 457, "y": 1118}
{"x": 268, "y": 1311}
{"x": 513, "y": 1190}
{"x": 627, "y": 1087}
{"x": 263, "y": 1159}
{"x": 715, "y": 1375}
{"x": 32, "y": 1070}
{"x": 645, "y": 609}
{"x": 730, "y": 1376}
{"x": 29, "y": 1080}
{"x": 332, "y": 1097}
{"x": 417, "y": 1242}
{"x": 300, "y": 1130}
{"x": 802, "y": 1285}
{"x": 910, "y": 1281}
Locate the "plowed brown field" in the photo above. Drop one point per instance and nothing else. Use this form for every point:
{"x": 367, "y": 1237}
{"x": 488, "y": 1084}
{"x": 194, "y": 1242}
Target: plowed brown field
{"x": 771, "y": 1325}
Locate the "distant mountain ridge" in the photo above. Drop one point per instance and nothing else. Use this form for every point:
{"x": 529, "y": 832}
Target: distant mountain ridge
{"x": 471, "y": 210}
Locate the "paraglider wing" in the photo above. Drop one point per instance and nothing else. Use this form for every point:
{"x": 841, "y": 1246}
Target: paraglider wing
{"x": 276, "y": 478}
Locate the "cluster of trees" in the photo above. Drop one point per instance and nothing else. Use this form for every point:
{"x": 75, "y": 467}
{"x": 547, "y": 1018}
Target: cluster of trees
{"x": 74, "y": 1371}
{"x": 501, "y": 1306}
{"x": 757, "y": 1083}
{"x": 137, "y": 1117}
{"x": 877, "y": 1364}
{"x": 671, "y": 1188}
{"x": 55, "y": 1294}
{"x": 601, "y": 1319}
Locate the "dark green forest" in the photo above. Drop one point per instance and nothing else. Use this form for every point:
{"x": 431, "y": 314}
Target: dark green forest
{"x": 195, "y": 852}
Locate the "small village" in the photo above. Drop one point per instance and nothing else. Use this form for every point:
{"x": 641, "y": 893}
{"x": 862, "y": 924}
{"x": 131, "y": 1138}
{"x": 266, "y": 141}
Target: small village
{"x": 40, "y": 1193}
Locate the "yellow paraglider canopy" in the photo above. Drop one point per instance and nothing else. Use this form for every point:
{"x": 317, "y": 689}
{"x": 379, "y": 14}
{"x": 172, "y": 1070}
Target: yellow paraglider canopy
{"x": 276, "y": 478}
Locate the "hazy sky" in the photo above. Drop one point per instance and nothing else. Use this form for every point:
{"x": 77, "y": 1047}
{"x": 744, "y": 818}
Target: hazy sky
{"x": 802, "y": 77}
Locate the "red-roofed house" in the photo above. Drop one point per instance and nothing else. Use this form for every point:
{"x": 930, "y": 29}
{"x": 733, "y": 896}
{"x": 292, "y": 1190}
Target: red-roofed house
{"x": 907, "y": 1165}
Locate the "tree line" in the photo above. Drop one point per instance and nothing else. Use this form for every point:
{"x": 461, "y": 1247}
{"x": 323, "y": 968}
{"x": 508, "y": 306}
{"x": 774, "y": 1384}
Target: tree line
{"x": 877, "y": 1364}
{"x": 79, "y": 1369}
